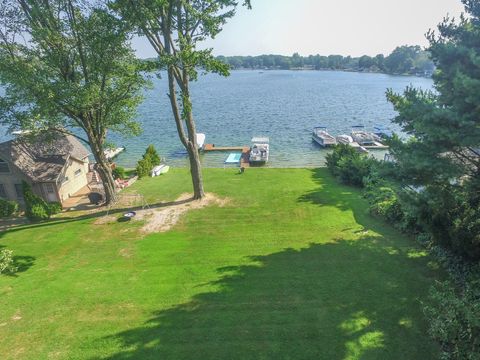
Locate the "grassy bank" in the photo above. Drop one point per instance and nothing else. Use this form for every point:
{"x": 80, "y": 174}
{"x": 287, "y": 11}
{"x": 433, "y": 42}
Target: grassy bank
{"x": 293, "y": 267}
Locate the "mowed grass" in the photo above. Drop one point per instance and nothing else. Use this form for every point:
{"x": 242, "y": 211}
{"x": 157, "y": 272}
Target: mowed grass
{"x": 293, "y": 267}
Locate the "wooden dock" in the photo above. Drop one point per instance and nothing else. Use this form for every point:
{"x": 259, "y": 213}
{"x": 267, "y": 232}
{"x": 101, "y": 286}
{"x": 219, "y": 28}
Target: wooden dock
{"x": 212, "y": 147}
{"x": 245, "y": 150}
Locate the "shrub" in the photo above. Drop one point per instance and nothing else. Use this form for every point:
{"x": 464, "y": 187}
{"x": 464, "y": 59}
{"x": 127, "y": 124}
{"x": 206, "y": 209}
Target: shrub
{"x": 144, "y": 167}
{"x": 119, "y": 173}
{"x": 35, "y": 207}
{"x": 7, "y": 208}
{"x": 152, "y": 155}
{"x": 7, "y": 264}
{"x": 454, "y": 320}
{"x": 348, "y": 165}
{"x": 54, "y": 208}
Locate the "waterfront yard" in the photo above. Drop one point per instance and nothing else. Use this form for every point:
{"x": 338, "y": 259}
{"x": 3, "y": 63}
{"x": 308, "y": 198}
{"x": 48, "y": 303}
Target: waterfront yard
{"x": 291, "y": 267}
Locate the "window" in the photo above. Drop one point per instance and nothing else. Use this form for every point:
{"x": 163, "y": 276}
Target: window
{"x": 78, "y": 172}
{"x": 19, "y": 191}
{"x": 4, "y": 167}
{"x": 3, "y": 193}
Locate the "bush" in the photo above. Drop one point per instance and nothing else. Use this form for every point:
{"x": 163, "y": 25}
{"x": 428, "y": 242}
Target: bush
{"x": 119, "y": 173}
{"x": 152, "y": 155}
{"x": 35, "y": 207}
{"x": 7, "y": 208}
{"x": 7, "y": 264}
{"x": 348, "y": 165}
{"x": 454, "y": 320}
{"x": 54, "y": 208}
{"x": 144, "y": 167}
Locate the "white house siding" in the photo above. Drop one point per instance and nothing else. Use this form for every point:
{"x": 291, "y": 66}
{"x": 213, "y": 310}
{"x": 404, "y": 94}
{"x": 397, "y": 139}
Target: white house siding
{"x": 74, "y": 181}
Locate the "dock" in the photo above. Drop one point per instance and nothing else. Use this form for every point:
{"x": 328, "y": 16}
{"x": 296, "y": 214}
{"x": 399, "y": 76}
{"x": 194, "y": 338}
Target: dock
{"x": 212, "y": 147}
{"x": 245, "y": 150}
{"x": 376, "y": 145}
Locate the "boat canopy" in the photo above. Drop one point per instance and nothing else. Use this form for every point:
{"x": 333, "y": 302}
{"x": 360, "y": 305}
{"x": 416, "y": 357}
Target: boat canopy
{"x": 260, "y": 140}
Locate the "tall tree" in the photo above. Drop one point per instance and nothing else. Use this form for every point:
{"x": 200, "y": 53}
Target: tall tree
{"x": 174, "y": 29}
{"x": 442, "y": 157}
{"x": 67, "y": 66}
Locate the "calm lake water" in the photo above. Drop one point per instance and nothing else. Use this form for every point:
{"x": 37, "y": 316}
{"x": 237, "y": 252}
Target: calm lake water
{"x": 283, "y": 105}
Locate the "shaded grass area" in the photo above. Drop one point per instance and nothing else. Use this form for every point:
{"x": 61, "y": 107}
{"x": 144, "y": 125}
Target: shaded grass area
{"x": 292, "y": 268}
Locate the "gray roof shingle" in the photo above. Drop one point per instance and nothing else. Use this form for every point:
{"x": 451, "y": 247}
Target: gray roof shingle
{"x": 42, "y": 159}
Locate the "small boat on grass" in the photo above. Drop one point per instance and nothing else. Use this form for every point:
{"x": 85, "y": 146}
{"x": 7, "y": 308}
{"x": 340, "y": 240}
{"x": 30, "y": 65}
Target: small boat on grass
{"x": 159, "y": 170}
{"x": 260, "y": 150}
{"x": 321, "y": 136}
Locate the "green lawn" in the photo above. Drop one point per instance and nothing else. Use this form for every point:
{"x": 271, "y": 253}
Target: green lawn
{"x": 293, "y": 267}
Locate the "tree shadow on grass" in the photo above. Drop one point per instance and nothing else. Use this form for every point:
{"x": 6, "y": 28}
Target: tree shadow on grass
{"x": 346, "y": 299}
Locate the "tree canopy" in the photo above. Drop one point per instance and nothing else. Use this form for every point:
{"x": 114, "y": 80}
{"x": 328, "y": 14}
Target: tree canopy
{"x": 67, "y": 66}
{"x": 441, "y": 159}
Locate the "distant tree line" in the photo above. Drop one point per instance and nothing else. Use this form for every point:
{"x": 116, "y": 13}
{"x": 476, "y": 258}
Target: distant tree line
{"x": 410, "y": 60}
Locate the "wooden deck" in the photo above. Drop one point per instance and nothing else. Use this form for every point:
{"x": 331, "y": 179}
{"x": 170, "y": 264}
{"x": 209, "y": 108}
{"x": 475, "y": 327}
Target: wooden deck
{"x": 245, "y": 150}
{"x": 212, "y": 147}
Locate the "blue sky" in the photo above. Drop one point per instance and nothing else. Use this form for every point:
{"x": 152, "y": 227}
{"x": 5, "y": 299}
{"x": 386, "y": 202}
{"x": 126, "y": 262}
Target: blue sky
{"x": 346, "y": 27}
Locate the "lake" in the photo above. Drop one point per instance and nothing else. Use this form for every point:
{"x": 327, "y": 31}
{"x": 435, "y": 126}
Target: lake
{"x": 283, "y": 105}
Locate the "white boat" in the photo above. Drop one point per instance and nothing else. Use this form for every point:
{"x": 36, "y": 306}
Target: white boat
{"x": 200, "y": 140}
{"x": 362, "y": 137}
{"x": 322, "y": 137}
{"x": 160, "y": 169}
{"x": 260, "y": 150}
{"x": 112, "y": 153}
{"x": 348, "y": 140}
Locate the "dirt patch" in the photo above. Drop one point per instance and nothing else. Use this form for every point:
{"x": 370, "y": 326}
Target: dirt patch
{"x": 164, "y": 218}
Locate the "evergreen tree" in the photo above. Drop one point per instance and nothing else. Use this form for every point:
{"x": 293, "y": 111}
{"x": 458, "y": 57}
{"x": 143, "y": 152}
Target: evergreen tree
{"x": 440, "y": 163}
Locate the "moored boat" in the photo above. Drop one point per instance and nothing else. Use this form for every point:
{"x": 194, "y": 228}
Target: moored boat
{"x": 321, "y": 136}
{"x": 200, "y": 140}
{"x": 260, "y": 150}
{"x": 348, "y": 140}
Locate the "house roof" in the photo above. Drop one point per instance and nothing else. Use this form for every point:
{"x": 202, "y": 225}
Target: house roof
{"x": 42, "y": 159}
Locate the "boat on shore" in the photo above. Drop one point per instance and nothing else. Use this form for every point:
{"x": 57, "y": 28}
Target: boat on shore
{"x": 259, "y": 151}
{"x": 159, "y": 170}
{"x": 321, "y": 136}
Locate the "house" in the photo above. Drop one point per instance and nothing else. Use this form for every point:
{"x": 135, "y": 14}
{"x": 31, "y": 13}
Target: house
{"x": 55, "y": 166}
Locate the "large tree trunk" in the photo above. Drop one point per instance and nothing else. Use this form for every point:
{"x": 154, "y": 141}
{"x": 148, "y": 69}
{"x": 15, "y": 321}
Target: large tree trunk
{"x": 104, "y": 170}
{"x": 189, "y": 139}
{"x": 195, "y": 170}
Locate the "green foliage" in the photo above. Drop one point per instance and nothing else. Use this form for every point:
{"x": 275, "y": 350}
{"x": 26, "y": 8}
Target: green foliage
{"x": 119, "y": 173}
{"x": 144, "y": 167}
{"x": 7, "y": 208}
{"x": 403, "y": 60}
{"x": 440, "y": 160}
{"x": 66, "y": 66}
{"x": 349, "y": 165}
{"x": 7, "y": 264}
{"x": 152, "y": 155}
{"x": 454, "y": 320}
{"x": 54, "y": 208}
{"x": 35, "y": 207}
